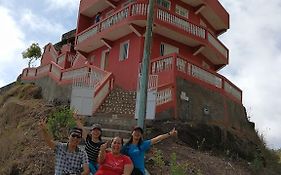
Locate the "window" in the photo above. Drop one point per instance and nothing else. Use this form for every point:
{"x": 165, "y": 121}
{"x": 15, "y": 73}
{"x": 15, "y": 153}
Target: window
{"x": 164, "y": 3}
{"x": 166, "y": 49}
{"x": 124, "y": 51}
{"x": 162, "y": 48}
{"x": 181, "y": 11}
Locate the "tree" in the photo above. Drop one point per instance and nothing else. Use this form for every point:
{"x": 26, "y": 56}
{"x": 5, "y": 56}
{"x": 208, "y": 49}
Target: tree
{"x": 32, "y": 53}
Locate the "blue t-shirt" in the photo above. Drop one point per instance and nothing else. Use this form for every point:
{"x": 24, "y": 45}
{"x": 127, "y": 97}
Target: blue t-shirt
{"x": 136, "y": 154}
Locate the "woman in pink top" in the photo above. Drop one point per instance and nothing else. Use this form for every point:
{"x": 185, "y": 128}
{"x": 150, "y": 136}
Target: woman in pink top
{"x": 114, "y": 163}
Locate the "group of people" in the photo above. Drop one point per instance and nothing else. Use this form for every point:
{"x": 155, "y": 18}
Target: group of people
{"x": 98, "y": 157}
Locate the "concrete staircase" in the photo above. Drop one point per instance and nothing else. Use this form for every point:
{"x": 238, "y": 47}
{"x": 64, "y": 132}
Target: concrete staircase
{"x": 112, "y": 125}
{"x": 119, "y": 101}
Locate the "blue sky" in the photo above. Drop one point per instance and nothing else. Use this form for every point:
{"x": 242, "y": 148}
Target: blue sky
{"x": 253, "y": 40}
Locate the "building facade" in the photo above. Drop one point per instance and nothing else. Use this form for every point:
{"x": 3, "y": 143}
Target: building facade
{"x": 186, "y": 55}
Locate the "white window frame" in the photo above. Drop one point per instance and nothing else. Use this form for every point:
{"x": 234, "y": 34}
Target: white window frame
{"x": 163, "y": 4}
{"x": 164, "y": 46}
{"x": 124, "y": 54}
{"x": 182, "y": 11}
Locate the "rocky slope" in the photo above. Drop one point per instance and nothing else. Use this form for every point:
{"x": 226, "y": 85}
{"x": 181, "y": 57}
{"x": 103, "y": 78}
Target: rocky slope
{"x": 24, "y": 152}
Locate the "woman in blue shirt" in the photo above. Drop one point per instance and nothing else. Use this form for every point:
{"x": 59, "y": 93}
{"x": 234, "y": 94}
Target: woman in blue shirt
{"x": 136, "y": 148}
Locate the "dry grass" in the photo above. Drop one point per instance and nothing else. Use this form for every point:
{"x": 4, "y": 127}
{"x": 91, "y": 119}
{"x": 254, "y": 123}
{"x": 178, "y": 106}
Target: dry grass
{"x": 24, "y": 92}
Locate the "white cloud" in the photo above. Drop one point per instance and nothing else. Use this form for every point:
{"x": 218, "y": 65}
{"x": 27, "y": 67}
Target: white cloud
{"x": 255, "y": 58}
{"x": 63, "y": 4}
{"x": 11, "y": 36}
{"x": 39, "y": 23}
{"x": 11, "y": 46}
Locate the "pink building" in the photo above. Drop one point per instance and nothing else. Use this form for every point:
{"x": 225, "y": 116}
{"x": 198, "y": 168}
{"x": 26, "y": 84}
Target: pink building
{"x": 186, "y": 55}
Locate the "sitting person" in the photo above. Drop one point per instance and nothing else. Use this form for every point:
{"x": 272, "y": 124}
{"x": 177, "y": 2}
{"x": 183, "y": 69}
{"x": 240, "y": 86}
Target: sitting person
{"x": 136, "y": 148}
{"x": 93, "y": 142}
{"x": 69, "y": 157}
{"x": 114, "y": 163}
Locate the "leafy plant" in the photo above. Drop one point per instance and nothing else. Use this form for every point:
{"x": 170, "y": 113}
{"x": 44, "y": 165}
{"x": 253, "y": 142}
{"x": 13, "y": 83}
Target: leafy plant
{"x": 60, "y": 121}
{"x": 158, "y": 159}
{"x": 177, "y": 168}
{"x": 32, "y": 53}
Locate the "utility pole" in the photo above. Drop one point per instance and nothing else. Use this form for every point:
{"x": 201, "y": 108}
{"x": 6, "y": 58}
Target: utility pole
{"x": 145, "y": 65}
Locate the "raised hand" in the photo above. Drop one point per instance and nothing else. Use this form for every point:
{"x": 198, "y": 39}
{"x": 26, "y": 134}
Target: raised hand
{"x": 173, "y": 132}
{"x": 75, "y": 116}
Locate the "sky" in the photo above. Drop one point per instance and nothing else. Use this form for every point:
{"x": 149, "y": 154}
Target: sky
{"x": 253, "y": 41}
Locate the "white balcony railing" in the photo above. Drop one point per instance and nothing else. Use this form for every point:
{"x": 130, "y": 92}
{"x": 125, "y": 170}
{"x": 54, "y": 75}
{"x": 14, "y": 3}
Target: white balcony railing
{"x": 164, "y": 96}
{"x": 88, "y": 34}
{"x": 233, "y": 91}
{"x": 183, "y": 65}
{"x": 214, "y": 42}
{"x": 117, "y": 17}
{"x": 139, "y": 9}
{"x": 206, "y": 76}
{"x": 69, "y": 75}
{"x": 162, "y": 65}
{"x": 181, "y": 23}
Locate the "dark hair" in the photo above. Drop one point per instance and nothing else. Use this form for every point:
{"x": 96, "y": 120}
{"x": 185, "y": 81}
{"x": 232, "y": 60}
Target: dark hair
{"x": 122, "y": 141}
{"x": 131, "y": 141}
{"x": 76, "y": 130}
{"x": 99, "y": 136}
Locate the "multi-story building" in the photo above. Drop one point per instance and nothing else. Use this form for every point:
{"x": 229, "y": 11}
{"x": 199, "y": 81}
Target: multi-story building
{"x": 186, "y": 56}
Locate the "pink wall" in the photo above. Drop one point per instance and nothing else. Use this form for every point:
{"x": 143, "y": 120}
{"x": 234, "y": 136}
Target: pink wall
{"x": 46, "y": 56}
{"x": 125, "y": 72}
{"x": 83, "y": 23}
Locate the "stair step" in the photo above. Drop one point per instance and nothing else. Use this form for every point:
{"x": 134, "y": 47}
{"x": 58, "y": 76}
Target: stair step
{"x": 108, "y": 132}
{"x": 125, "y": 140}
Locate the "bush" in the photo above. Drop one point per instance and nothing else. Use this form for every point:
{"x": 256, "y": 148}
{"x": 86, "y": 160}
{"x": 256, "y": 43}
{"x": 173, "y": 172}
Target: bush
{"x": 177, "y": 168}
{"x": 159, "y": 160}
{"x": 60, "y": 121}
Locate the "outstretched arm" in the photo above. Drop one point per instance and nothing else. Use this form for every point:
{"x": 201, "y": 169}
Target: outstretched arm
{"x": 79, "y": 124}
{"x": 48, "y": 139}
{"x": 159, "y": 138}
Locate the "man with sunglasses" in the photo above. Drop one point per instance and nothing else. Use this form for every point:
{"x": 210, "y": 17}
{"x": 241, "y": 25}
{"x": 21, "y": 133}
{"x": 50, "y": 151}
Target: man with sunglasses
{"x": 70, "y": 159}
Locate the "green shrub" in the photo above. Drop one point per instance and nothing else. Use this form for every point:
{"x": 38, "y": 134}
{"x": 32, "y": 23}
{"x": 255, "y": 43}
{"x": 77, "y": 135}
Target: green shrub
{"x": 159, "y": 160}
{"x": 60, "y": 121}
{"x": 177, "y": 168}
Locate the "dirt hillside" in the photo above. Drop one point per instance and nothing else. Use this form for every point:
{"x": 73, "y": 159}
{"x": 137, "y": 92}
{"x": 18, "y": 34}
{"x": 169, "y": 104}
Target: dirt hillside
{"x": 23, "y": 151}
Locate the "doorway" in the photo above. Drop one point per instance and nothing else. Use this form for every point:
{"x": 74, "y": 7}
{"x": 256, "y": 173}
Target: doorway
{"x": 104, "y": 59}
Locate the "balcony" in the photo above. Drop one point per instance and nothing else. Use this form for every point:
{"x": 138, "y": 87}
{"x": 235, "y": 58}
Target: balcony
{"x": 167, "y": 24}
{"x": 91, "y": 7}
{"x": 213, "y": 11}
{"x": 176, "y": 65}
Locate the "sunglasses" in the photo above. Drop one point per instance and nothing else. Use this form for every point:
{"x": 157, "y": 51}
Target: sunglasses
{"x": 75, "y": 136}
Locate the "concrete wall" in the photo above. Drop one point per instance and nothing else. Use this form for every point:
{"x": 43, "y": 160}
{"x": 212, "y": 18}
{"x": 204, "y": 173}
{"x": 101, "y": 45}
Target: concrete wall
{"x": 51, "y": 91}
{"x": 207, "y": 106}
